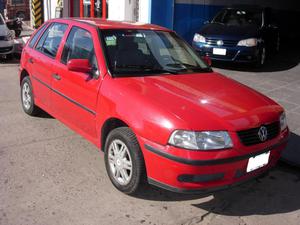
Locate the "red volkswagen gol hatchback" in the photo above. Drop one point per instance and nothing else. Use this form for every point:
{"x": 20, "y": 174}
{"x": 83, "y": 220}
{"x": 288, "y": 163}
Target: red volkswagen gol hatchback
{"x": 144, "y": 97}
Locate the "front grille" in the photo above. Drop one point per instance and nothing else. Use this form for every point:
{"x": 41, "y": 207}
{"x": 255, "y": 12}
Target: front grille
{"x": 2, "y": 38}
{"x": 227, "y": 43}
{"x": 6, "y": 49}
{"x": 250, "y": 137}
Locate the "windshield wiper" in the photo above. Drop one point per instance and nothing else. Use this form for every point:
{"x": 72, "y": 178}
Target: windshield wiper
{"x": 186, "y": 66}
{"x": 148, "y": 68}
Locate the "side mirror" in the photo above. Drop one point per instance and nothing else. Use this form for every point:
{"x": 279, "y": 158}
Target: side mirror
{"x": 79, "y": 65}
{"x": 207, "y": 60}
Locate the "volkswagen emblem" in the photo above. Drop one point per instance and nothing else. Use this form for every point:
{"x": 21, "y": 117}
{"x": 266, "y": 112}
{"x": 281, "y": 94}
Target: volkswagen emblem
{"x": 263, "y": 133}
{"x": 220, "y": 42}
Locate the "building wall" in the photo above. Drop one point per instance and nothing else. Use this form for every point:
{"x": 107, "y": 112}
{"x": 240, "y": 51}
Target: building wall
{"x": 162, "y": 13}
{"x": 49, "y": 9}
{"x": 188, "y": 16}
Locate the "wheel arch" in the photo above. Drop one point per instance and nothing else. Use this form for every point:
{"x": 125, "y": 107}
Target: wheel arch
{"x": 23, "y": 74}
{"x": 108, "y": 126}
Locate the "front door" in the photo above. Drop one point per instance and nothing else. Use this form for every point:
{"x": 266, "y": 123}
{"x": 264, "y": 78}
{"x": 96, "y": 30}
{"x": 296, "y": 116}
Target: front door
{"x": 75, "y": 93}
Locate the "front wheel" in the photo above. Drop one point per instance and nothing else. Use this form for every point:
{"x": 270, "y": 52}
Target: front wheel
{"x": 124, "y": 160}
{"x": 27, "y": 98}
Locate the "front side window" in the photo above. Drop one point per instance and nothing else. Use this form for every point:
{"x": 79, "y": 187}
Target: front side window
{"x": 140, "y": 52}
{"x": 79, "y": 45}
{"x": 50, "y": 40}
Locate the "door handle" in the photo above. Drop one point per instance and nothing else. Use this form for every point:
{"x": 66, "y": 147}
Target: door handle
{"x": 56, "y": 76}
{"x": 30, "y": 60}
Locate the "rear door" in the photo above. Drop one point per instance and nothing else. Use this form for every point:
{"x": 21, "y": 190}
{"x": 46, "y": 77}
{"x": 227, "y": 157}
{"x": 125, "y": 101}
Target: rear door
{"x": 74, "y": 96}
{"x": 42, "y": 61}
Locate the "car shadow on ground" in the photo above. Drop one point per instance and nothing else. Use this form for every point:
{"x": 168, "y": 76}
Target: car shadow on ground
{"x": 277, "y": 192}
{"x": 287, "y": 58}
{"x": 272, "y": 193}
{"x": 44, "y": 115}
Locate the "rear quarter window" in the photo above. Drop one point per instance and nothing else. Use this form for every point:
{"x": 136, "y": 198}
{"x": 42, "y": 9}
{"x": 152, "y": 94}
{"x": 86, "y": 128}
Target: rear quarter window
{"x": 36, "y": 36}
{"x": 51, "y": 39}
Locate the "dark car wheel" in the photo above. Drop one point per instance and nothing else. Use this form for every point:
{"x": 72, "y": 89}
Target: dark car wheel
{"x": 261, "y": 57}
{"x": 27, "y": 98}
{"x": 277, "y": 44}
{"x": 124, "y": 160}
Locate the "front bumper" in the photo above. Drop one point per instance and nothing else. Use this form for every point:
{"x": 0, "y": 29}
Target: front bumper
{"x": 233, "y": 53}
{"x": 187, "y": 171}
{"x": 6, "y": 47}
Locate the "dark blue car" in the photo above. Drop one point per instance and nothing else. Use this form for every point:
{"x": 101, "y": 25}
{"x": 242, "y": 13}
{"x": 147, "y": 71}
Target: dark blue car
{"x": 239, "y": 34}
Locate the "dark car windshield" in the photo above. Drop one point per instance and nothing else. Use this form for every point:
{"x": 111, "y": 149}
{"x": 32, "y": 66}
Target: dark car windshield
{"x": 142, "y": 52}
{"x": 1, "y": 20}
{"x": 237, "y": 17}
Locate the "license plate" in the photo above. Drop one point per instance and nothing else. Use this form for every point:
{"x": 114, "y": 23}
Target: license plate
{"x": 219, "y": 51}
{"x": 258, "y": 161}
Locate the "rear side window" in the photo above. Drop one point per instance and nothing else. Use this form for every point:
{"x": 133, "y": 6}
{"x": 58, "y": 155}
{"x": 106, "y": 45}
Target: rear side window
{"x": 36, "y": 36}
{"x": 50, "y": 40}
{"x": 79, "y": 45}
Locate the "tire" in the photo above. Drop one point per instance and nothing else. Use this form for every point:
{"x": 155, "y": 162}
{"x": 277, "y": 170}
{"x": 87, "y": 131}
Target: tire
{"x": 126, "y": 169}
{"x": 27, "y": 99}
{"x": 277, "y": 44}
{"x": 261, "y": 57}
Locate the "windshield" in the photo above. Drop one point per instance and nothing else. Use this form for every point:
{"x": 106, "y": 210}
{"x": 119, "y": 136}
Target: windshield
{"x": 142, "y": 52}
{"x": 236, "y": 17}
{"x": 1, "y": 20}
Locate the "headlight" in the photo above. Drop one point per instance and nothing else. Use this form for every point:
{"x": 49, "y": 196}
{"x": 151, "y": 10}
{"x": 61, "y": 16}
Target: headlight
{"x": 251, "y": 42}
{"x": 8, "y": 37}
{"x": 206, "y": 140}
{"x": 283, "y": 122}
{"x": 199, "y": 38}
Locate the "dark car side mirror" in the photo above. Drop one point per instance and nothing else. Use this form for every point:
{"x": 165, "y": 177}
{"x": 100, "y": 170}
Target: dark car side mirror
{"x": 79, "y": 65}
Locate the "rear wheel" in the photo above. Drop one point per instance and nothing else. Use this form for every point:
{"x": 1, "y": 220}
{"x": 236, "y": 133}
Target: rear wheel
{"x": 27, "y": 97}
{"x": 124, "y": 160}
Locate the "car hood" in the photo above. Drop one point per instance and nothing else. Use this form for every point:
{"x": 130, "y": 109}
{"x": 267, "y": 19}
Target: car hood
{"x": 3, "y": 30}
{"x": 204, "y": 101}
{"x": 229, "y": 32}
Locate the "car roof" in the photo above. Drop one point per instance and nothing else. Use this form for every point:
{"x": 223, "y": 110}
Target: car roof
{"x": 110, "y": 24}
{"x": 246, "y": 7}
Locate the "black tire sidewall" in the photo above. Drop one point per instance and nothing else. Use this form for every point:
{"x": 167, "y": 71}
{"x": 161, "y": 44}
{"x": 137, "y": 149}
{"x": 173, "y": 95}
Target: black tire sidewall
{"x": 29, "y": 111}
{"x": 127, "y": 136}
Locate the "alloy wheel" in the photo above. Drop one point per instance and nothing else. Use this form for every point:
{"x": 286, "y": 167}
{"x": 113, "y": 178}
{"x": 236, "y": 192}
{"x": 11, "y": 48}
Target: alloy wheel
{"x": 120, "y": 162}
{"x": 26, "y": 96}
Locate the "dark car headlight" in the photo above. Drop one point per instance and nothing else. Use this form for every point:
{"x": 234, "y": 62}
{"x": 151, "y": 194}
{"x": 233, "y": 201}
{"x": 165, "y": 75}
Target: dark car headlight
{"x": 8, "y": 37}
{"x": 206, "y": 140}
{"x": 250, "y": 42}
{"x": 199, "y": 38}
{"x": 283, "y": 121}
